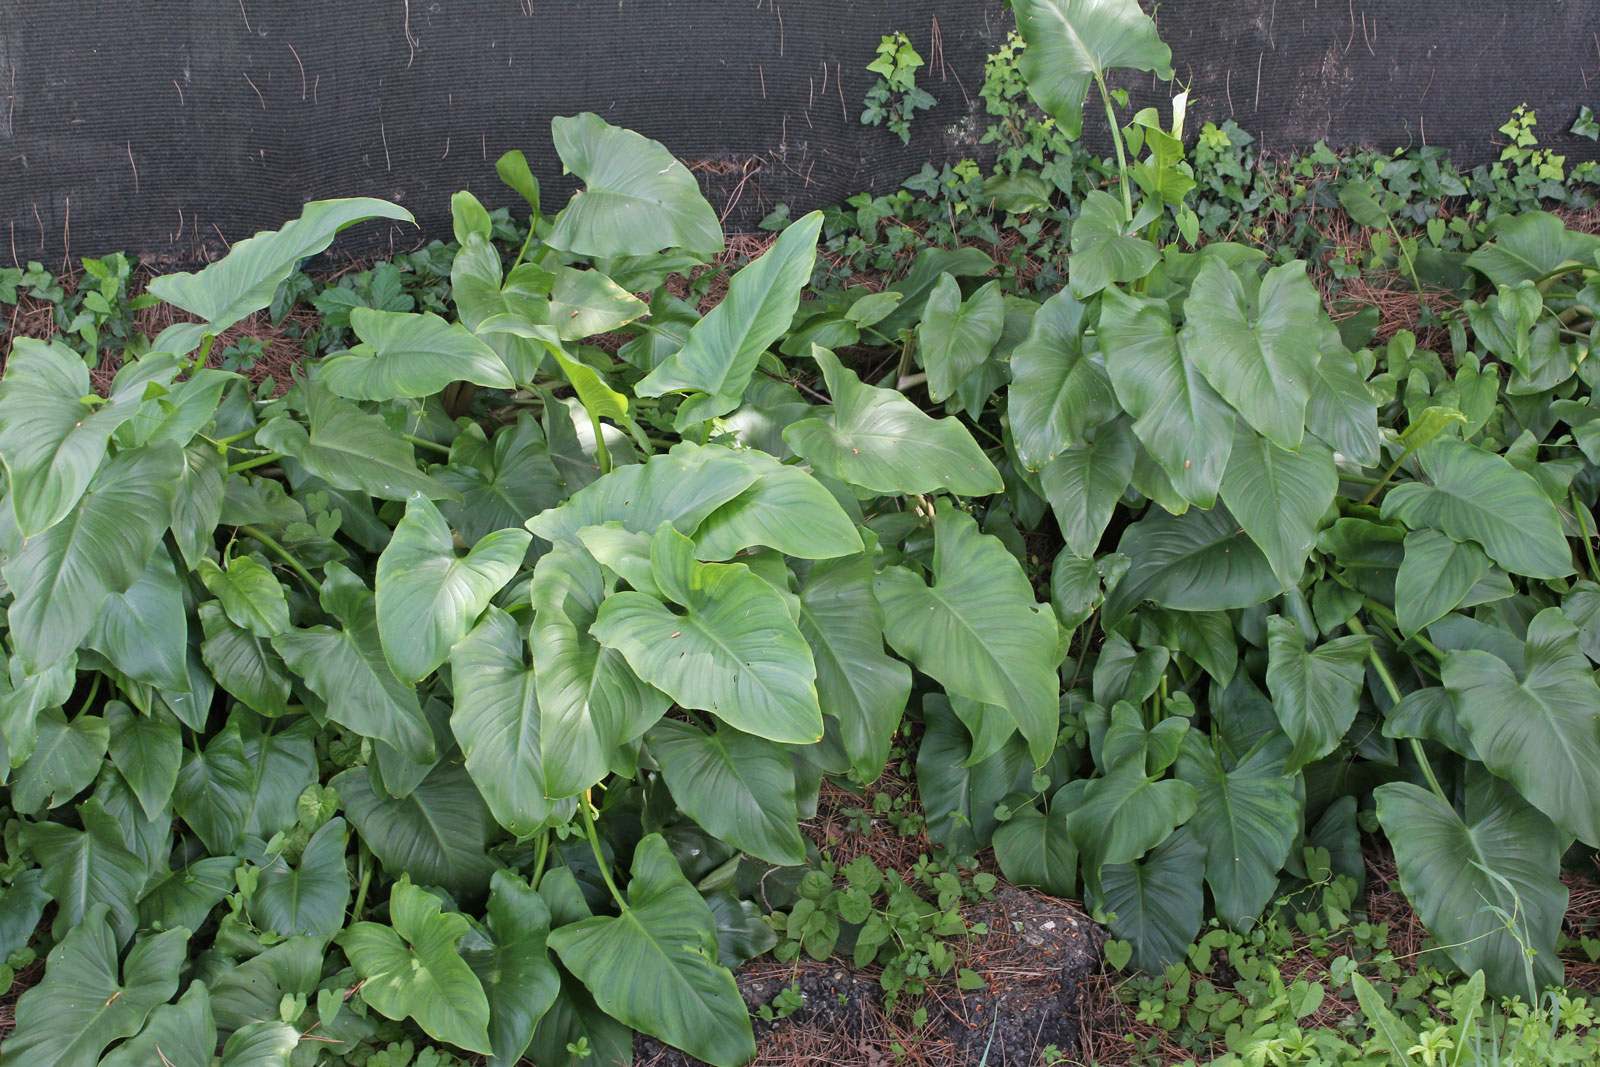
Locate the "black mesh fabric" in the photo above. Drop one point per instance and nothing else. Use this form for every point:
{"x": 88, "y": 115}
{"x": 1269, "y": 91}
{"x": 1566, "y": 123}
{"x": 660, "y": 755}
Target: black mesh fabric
{"x": 167, "y": 128}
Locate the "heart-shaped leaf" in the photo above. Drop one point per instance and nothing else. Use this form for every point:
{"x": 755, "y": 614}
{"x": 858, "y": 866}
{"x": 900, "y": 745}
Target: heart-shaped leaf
{"x": 1278, "y": 497}
{"x": 1315, "y": 693}
{"x": 1058, "y": 390}
{"x": 1073, "y": 43}
{"x": 410, "y": 355}
{"x": 956, "y": 336}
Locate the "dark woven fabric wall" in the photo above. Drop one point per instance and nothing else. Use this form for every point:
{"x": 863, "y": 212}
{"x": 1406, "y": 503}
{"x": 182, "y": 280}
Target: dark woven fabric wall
{"x": 167, "y": 127}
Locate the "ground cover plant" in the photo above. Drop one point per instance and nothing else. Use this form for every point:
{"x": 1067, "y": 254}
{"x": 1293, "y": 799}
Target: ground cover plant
{"x": 472, "y": 689}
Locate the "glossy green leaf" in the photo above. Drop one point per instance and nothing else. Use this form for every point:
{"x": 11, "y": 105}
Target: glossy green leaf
{"x": 1528, "y": 245}
{"x": 654, "y": 966}
{"x": 738, "y": 786}
{"x": 1474, "y": 495}
{"x": 1488, "y": 887}
{"x": 1341, "y": 410}
{"x": 1157, "y": 903}
{"x": 514, "y": 171}
{"x": 410, "y": 355}
{"x": 1247, "y": 819}
{"x": 197, "y": 505}
{"x": 260, "y": 1044}
{"x": 500, "y": 482}
{"x": 414, "y": 970}
{"x": 214, "y": 791}
{"x": 175, "y": 1035}
{"x": 310, "y": 897}
{"x": 1084, "y": 483}
{"x": 586, "y": 302}
{"x": 878, "y": 440}
{"x": 1186, "y": 426}
{"x": 428, "y": 596}
{"x": 1278, "y": 497}
{"x": 1260, "y": 353}
{"x": 1197, "y": 561}
{"x": 61, "y": 577}
{"x": 246, "y": 666}
{"x": 1435, "y": 576}
{"x": 1107, "y": 247}
{"x": 88, "y": 867}
{"x": 1073, "y": 43}
{"x": 785, "y": 508}
{"x": 720, "y": 355}
{"x": 1316, "y": 692}
{"x": 147, "y": 749}
{"x": 249, "y": 593}
{"x": 1125, "y": 814}
{"x": 348, "y": 670}
{"x": 1035, "y": 848}
{"x": 733, "y": 651}
{"x": 956, "y": 336}
{"x": 1058, "y": 390}
{"x": 65, "y": 759}
{"x": 143, "y": 630}
{"x": 497, "y": 720}
{"x": 977, "y": 629}
{"x": 82, "y": 1005}
{"x": 437, "y": 834}
{"x": 637, "y": 199}
{"x": 1542, "y": 730}
{"x": 859, "y": 685}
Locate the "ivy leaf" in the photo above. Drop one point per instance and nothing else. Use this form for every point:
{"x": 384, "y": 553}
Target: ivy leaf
{"x": 404, "y": 354}
{"x": 654, "y": 966}
{"x": 739, "y": 787}
{"x": 311, "y": 897}
{"x": 1185, "y": 425}
{"x": 1247, "y": 819}
{"x": 1315, "y": 693}
{"x": 1474, "y": 495}
{"x": 82, "y": 1005}
{"x": 413, "y": 969}
{"x": 348, "y": 670}
{"x": 60, "y": 578}
{"x": 438, "y": 833}
{"x": 1541, "y": 732}
{"x": 1260, "y": 354}
{"x": 956, "y": 336}
{"x": 859, "y": 685}
{"x": 498, "y": 722}
{"x": 637, "y": 198}
{"x": 86, "y": 868}
{"x": 733, "y": 651}
{"x": 878, "y": 440}
{"x": 427, "y": 596}
{"x": 977, "y": 630}
{"x": 1278, "y": 497}
{"x": 1058, "y": 390}
{"x": 1073, "y": 43}
{"x": 1470, "y": 878}
{"x": 720, "y": 355}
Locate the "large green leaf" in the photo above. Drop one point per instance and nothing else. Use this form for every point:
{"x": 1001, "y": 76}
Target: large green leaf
{"x": 637, "y": 198}
{"x": 410, "y": 355}
{"x": 738, "y": 786}
{"x": 348, "y": 670}
{"x": 1126, "y": 814}
{"x": 1488, "y": 887}
{"x": 1474, "y": 495}
{"x": 1278, "y": 497}
{"x": 586, "y": 302}
{"x": 1541, "y": 732}
{"x": 785, "y": 508}
{"x": 1341, "y": 410}
{"x": 720, "y": 355}
{"x": 249, "y": 593}
{"x": 350, "y": 449}
{"x": 654, "y": 966}
{"x": 1186, "y": 426}
{"x": 878, "y": 440}
{"x": 955, "y": 336}
{"x": 1107, "y": 246}
{"x": 1528, "y": 245}
{"x": 88, "y": 867}
{"x": 428, "y": 596}
{"x": 244, "y": 281}
{"x": 245, "y": 665}
{"x": 1156, "y": 903}
{"x": 51, "y": 440}
{"x": 1073, "y": 43}
{"x": 214, "y": 791}
{"x": 977, "y": 630}
{"x": 61, "y": 577}
{"x": 1247, "y": 819}
{"x": 497, "y": 720}
{"x": 260, "y": 1044}
{"x": 147, "y": 749}
{"x": 310, "y": 897}
{"x": 590, "y": 700}
{"x": 1259, "y": 352}
{"x": 1035, "y": 848}
{"x": 437, "y": 834}
{"x": 858, "y": 684}
{"x": 414, "y": 970}
{"x": 64, "y": 762}
{"x": 1315, "y": 693}
{"x": 515, "y": 970}
{"x": 143, "y": 630}
{"x": 684, "y": 486}
{"x": 82, "y": 1005}
{"x": 501, "y": 482}
{"x": 1435, "y": 576}
{"x": 1058, "y": 390}
{"x": 733, "y": 651}
{"x": 175, "y": 1035}
{"x": 1084, "y": 483}
{"x": 1197, "y": 561}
